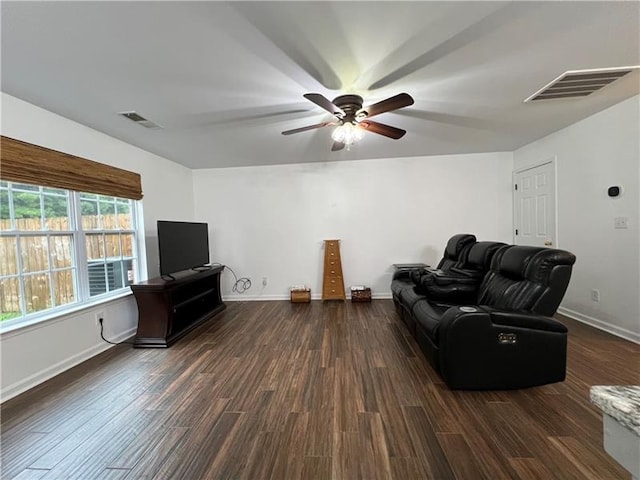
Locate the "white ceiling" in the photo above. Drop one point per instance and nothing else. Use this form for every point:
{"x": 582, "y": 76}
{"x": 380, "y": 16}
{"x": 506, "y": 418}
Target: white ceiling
{"x": 223, "y": 79}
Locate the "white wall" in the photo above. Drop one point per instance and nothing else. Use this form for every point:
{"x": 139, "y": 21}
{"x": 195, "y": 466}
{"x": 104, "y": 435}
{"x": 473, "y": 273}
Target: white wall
{"x": 593, "y": 154}
{"x": 270, "y": 221}
{"x": 34, "y": 354}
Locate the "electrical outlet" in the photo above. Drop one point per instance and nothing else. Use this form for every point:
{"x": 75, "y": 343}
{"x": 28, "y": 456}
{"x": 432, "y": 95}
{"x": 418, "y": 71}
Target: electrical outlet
{"x": 264, "y": 281}
{"x": 621, "y": 222}
{"x": 99, "y": 316}
{"x": 595, "y": 295}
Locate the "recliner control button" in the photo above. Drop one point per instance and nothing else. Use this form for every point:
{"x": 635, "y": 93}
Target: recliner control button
{"x": 507, "y": 338}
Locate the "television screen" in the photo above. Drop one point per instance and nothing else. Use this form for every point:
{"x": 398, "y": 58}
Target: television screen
{"x": 182, "y": 245}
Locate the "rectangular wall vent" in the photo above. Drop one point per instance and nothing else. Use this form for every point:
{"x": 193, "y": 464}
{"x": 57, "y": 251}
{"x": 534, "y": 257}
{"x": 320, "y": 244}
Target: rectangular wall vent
{"x": 580, "y": 83}
{"x": 139, "y": 119}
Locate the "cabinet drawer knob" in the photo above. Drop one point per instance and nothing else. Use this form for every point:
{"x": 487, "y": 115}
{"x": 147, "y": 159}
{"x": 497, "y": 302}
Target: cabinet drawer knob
{"x": 333, "y": 271}
{"x": 333, "y": 291}
{"x": 332, "y": 254}
{"x": 333, "y": 281}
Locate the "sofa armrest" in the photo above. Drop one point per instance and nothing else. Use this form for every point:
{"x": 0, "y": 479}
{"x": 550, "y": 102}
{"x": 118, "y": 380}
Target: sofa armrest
{"x": 485, "y": 348}
{"x": 417, "y": 274}
{"x": 525, "y": 320}
{"x": 449, "y": 287}
{"x": 409, "y": 273}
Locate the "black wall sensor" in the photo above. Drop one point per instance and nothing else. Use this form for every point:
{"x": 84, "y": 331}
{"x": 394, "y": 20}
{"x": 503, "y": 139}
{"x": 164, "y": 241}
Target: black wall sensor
{"x": 614, "y": 191}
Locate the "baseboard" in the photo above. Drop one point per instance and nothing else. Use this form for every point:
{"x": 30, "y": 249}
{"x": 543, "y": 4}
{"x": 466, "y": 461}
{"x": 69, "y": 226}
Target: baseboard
{"x": 381, "y": 296}
{"x": 57, "y": 368}
{"x": 600, "y": 325}
{"x": 254, "y": 298}
{"x": 267, "y": 298}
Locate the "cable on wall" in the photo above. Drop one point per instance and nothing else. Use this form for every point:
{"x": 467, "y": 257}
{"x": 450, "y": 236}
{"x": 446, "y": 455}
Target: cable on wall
{"x": 240, "y": 285}
{"x": 109, "y": 341}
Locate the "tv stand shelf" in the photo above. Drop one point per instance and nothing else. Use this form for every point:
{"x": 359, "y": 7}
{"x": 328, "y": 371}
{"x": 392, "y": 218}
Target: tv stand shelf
{"x": 168, "y": 310}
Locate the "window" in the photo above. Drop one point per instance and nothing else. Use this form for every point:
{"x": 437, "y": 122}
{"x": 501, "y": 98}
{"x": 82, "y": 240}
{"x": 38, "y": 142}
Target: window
{"x": 60, "y": 247}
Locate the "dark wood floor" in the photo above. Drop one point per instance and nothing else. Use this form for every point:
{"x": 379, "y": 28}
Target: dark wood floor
{"x": 310, "y": 391}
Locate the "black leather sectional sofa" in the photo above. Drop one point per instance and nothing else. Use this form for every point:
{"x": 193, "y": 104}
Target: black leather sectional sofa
{"x": 482, "y": 317}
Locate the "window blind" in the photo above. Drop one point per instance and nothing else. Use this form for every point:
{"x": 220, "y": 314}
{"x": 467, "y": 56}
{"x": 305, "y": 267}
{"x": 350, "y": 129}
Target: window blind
{"x": 27, "y": 163}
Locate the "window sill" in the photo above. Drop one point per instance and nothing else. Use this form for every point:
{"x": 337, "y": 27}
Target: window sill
{"x": 59, "y": 315}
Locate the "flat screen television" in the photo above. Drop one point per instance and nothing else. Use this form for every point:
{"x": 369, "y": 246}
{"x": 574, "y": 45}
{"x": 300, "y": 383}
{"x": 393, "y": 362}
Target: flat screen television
{"x": 182, "y": 245}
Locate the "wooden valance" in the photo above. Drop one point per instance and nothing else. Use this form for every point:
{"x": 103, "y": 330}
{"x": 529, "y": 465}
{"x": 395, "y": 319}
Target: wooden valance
{"x": 27, "y": 163}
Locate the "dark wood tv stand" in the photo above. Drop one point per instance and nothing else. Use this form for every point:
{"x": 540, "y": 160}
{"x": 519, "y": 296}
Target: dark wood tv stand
{"x": 169, "y": 309}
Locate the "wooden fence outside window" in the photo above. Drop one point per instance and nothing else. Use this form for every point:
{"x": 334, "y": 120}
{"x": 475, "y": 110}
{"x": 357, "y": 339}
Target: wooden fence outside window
{"x": 38, "y": 253}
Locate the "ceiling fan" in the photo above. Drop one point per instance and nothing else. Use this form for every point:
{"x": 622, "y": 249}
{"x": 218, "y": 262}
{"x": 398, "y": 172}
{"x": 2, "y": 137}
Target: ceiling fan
{"x": 353, "y": 120}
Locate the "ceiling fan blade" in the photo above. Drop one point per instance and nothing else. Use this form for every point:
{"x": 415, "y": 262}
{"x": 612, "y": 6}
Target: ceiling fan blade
{"x": 382, "y": 129}
{"x": 337, "y": 146}
{"x": 324, "y": 102}
{"x": 309, "y": 127}
{"x": 392, "y": 103}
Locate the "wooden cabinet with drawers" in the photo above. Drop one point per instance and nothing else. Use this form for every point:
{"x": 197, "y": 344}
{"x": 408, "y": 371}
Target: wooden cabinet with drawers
{"x": 332, "y": 282}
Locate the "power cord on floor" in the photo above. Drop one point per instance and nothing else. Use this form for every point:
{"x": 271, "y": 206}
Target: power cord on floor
{"x": 108, "y": 341}
{"x": 241, "y": 285}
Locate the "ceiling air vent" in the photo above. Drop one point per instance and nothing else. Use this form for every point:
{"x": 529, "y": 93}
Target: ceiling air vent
{"x": 579, "y": 83}
{"x": 139, "y": 119}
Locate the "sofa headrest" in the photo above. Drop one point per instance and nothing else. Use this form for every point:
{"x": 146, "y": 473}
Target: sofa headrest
{"x": 541, "y": 265}
{"x": 481, "y": 254}
{"x": 457, "y": 243}
{"x": 514, "y": 260}
{"x": 520, "y": 262}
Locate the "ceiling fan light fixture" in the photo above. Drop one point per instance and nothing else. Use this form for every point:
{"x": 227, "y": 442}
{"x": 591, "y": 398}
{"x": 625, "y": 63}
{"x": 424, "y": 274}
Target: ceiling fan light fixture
{"x": 347, "y": 133}
{"x": 353, "y": 120}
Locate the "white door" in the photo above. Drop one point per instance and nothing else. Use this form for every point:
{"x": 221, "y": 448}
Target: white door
{"x": 534, "y": 202}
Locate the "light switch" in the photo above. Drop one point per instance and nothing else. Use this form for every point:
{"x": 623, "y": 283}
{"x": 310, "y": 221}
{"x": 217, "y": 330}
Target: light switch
{"x": 620, "y": 222}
